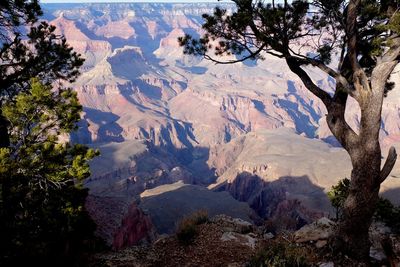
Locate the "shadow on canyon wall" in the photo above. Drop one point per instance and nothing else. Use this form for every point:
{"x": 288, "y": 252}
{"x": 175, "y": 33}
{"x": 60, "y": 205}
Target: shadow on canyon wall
{"x": 392, "y": 195}
{"x": 293, "y": 199}
{"x": 109, "y": 130}
{"x": 171, "y": 203}
{"x": 150, "y": 167}
{"x": 115, "y": 191}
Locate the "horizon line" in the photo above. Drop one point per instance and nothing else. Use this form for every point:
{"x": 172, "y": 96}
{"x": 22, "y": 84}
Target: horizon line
{"x": 132, "y": 1}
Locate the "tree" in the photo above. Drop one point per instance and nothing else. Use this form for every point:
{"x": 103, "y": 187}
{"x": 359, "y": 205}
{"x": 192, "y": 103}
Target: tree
{"x": 40, "y": 53}
{"x": 364, "y": 34}
{"x": 42, "y": 215}
{"x": 338, "y": 194}
{"x": 16, "y": 13}
{"x": 12, "y": 15}
{"x": 42, "y": 199}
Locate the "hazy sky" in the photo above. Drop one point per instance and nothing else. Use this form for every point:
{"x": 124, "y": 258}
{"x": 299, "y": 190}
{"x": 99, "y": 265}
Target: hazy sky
{"x": 132, "y": 1}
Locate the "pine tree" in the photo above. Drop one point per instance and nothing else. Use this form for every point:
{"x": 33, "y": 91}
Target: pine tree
{"x": 39, "y": 53}
{"x": 42, "y": 217}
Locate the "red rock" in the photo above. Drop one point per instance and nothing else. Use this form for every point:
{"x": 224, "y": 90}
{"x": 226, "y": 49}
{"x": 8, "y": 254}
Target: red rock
{"x": 135, "y": 227}
{"x": 119, "y": 224}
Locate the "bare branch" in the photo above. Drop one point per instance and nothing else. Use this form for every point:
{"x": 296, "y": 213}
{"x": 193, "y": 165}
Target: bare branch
{"x": 295, "y": 66}
{"x": 252, "y": 55}
{"x": 389, "y": 164}
{"x": 380, "y": 75}
{"x": 331, "y": 72}
{"x": 360, "y": 78}
{"x": 337, "y": 122}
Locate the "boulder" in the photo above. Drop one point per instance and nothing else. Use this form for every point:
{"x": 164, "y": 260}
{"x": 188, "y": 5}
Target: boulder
{"x": 318, "y": 230}
{"x": 236, "y": 225}
{"x": 247, "y": 239}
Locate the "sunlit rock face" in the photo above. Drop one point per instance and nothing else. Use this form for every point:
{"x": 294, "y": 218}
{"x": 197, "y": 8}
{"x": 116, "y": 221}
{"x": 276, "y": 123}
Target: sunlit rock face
{"x": 160, "y": 117}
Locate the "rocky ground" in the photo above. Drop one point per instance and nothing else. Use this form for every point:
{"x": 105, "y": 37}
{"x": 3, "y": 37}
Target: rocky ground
{"x": 224, "y": 241}
{"x": 220, "y": 242}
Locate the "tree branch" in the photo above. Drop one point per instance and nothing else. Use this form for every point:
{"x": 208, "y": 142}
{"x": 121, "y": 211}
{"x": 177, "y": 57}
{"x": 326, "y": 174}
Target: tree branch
{"x": 336, "y": 120}
{"x": 331, "y": 72}
{"x": 389, "y": 164}
{"x": 351, "y": 32}
{"x": 393, "y": 53}
{"x": 359, "y": 77}
{"x": 294, "y": 66}
{"x": 252, "y": 55}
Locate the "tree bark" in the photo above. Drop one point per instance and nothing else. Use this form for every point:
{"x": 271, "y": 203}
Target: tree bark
{"x": 352, "y": 234}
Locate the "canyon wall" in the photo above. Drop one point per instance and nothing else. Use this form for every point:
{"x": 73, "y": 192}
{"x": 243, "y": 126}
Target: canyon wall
{"x": 160, "y": 117}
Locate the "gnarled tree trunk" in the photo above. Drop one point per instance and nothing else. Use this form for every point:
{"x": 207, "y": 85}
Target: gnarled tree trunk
{"x": 366, "y": 177}
{"x": 352, "y": 234}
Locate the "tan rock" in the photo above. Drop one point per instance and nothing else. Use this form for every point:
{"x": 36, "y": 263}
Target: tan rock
{"x": 247, "y": 240}
{"x": 319, "y": 230}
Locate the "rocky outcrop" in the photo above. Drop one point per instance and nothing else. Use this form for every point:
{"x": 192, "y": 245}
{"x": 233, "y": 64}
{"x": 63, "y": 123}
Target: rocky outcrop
{"x": 119, "y": 28}
{"x": 168, "y": 204}
{"x": 135, "y": 227}
{"x": 233, "y": 247}
{"x": 321, "y": 229}
{"x": 119, "y": 223}
{"x": 230, "y": 224}
{"x": 129, "y": 168}
{"x": 272, "y": 200}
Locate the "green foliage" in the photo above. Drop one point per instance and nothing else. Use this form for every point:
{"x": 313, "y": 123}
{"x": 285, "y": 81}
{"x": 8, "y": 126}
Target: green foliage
{"x": 385, "y": 211}
{"x": 42, "y": 214}
{"x": 338, "y": 194}
{"x": 324, "y": 52}
{"x": 257, "y": 27}
{"x": 394, "y": 23}
{"x": 187, "y": 227}
{"x": 45, "y": 55}
{"x": 41, "y": 53}
{"x": 199, "y": 217}
{"x": 14, "y": 13}
{"x": 280, "y": 24}
{"x": 279, "y": 254}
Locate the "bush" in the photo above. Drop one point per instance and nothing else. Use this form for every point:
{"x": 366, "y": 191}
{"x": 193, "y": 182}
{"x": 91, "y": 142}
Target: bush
{"x": 389, "y": 214}
{"x": 279, "y": 254}
{"x": 199, "y": 217}
{"x": 187, "y": 228}
{"x": 385, "y": 211}
{"x": 338, "y": 194}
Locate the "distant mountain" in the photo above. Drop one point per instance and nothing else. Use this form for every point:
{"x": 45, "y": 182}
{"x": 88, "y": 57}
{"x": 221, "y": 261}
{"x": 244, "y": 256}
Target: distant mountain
{"x": 160, "y": 117}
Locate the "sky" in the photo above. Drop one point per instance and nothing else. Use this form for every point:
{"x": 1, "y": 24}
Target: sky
{"x": 129, "y": 1}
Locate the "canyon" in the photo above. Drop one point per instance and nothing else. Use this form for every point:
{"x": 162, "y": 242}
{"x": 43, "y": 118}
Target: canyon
{"x": 245, "y": 139}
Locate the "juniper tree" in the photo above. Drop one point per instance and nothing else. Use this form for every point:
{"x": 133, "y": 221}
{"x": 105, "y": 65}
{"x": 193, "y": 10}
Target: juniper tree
{"x": 365, "y": 37}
